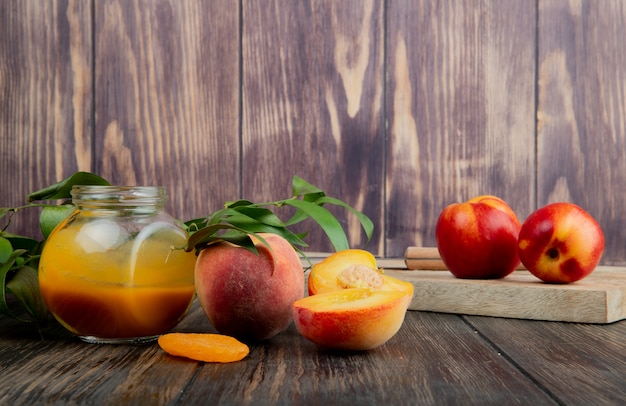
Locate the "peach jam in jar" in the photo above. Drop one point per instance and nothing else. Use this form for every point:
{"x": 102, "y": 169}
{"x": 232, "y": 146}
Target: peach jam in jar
{"x": 116, "y": 270}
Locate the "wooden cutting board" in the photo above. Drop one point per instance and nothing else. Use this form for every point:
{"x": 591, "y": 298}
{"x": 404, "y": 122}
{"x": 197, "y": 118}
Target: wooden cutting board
{"x": 599, "y": 298}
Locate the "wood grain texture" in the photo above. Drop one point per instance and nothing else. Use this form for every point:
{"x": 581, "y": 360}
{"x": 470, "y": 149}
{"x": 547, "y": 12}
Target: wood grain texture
{"x": 599, "y": 298}
{"x": 434, "y": 359}
{"x": 45, "y": 99}
{"x": 167, "y": 99}
{"x": 428, "y": 258}
{"x": 398, "y": 107}
{"x": 419, "y": 368}
{"x": 460, "y": 110}
{"x": 582, "y": 112}
{"x": 313, "y": 105}
{"x": 548, "y": 350}
{"x": 85, "y": 374}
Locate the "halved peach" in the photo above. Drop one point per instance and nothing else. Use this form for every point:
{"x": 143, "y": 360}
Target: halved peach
{"x": 352, "y": 268}
{"x": 351, "y": 319}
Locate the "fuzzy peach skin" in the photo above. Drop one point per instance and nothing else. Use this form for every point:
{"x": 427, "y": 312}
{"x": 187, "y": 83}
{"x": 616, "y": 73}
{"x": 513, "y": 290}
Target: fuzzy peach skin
{"x": 249, "y": 296}
{"x": 352, "y": 268}
{"x": 561, "y": 243}
{"x": 353, "y": 319}
{"x": 478, "y": 239}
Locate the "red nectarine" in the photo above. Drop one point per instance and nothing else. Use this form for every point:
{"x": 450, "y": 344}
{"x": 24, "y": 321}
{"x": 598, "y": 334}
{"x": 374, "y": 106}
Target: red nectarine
{"x": 478, "y": 239}
{"x": 560, "y": 243}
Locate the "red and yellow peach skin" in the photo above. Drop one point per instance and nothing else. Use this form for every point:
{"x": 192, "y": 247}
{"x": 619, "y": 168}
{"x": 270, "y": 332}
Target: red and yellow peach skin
{"x": 249, "y": 296}
{"x": 477, "y": 239}
{"x": 561, "y": 243}
{"x": 354, "y": 319}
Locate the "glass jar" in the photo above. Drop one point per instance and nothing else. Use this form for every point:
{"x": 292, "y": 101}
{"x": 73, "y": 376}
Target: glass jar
{"x": 116, "y": 270}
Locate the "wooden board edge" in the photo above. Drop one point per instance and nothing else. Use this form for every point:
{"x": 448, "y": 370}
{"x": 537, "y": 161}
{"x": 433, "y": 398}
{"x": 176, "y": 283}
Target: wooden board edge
{"x": 503, "y": 301}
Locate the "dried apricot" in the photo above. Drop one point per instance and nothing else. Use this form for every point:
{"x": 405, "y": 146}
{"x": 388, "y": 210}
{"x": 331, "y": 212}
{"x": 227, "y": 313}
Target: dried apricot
{"x": 204, "y": 347}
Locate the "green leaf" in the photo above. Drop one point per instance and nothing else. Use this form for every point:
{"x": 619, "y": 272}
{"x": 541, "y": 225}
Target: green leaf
{"x": 257, "y": 228}
{"x": 366, "y": 222}
{"x": 261, "y": 215}
{"x": 51, "y": 216}
{"x": 5, "y": 210}
{"x": 238, "y": 203}
{"x": 301, "y": 187}
{"x": 5, "y": 269}
{"x": 216, "y": 217}
{"x": 299, "y": 216}
{"x": 6, "y": 249}
{"x": 206, "y": 236}
{"x": 22, "y": 242}
{"x": 250, "y": 224}
{"x": 242, "y": 217}
{"x": 326, "y": 220}
{"x": 194, "y": 225}
{"x": 25, "y": 287}
{"x": 62, "y": 189}
{"x": 239, "y": 238}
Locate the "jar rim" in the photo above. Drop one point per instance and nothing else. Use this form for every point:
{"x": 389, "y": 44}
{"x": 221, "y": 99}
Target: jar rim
{"x": 130, "y": 195}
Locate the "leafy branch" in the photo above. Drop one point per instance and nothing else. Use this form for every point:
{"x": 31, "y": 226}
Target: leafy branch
{"x": 19, "y": 255}
{"x": 242, "y": 218}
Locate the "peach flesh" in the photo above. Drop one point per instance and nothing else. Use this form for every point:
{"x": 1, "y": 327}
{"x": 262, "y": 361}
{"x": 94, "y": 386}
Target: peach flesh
{"x": 351, "y": 319}
{"x": 249, "y": 296}
{"x": 323, "y": 276}
{"x": 352, "y": 268}
{"x": 360, "y": 276}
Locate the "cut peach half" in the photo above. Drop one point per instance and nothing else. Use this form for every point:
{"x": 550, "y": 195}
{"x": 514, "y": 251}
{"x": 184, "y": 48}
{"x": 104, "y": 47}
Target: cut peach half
{"x": 351, "y": 319}
{"x": 352, "y": 268}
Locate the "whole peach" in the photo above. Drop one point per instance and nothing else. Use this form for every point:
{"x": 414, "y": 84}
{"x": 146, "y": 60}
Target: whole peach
{"x": 249, "y": 296}
{"x": 478, "y": 239}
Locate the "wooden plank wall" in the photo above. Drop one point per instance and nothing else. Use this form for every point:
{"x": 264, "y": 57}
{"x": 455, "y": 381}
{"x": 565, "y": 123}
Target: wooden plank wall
{"x": 398, "y": 107}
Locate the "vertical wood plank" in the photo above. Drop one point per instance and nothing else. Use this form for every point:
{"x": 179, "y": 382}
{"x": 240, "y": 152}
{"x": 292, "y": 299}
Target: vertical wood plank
{"x": 453, "y": 117}
{"x": 582, "y": 112}
{"x": 461, "y": 110}
{"x": 166, "y": 86}
{"x": 45, "y": 99}
{"x": 313, "y": 105}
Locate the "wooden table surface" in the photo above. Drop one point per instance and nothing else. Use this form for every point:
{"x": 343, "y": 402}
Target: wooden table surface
{"x": 435, "y": 358}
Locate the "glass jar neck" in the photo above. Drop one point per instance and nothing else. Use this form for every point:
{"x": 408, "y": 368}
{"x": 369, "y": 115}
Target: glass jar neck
{"x": 148, "y": 199}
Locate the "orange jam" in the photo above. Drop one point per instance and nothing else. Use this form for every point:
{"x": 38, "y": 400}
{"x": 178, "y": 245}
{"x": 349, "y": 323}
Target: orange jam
{"x": 108, "y": 280}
